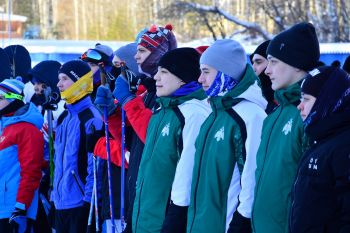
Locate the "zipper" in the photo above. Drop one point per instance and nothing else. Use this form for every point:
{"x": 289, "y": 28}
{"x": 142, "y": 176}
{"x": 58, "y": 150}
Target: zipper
{"x": 76, "y": 180}
{"x": 156, "y": 135}
{"x": 267, "y": 146}
{"x": 154, "y": 140}
{"x": 295, "y": 183}
{"x": 64, "y": 149}
{"x": 138, "y": 210}
{"x": 199, "y": 171}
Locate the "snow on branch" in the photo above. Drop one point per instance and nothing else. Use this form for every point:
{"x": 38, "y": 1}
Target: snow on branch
{"x": 215, "y": 10}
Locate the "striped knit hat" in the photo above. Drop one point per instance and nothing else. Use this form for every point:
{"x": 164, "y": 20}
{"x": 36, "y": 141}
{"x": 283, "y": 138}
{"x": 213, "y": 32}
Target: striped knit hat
{"x": 158, "y": 38}
{"x": 12, "y": 89}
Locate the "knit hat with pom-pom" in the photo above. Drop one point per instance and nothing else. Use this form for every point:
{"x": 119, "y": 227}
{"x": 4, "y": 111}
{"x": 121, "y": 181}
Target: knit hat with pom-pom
{"x": 158, "y": 38}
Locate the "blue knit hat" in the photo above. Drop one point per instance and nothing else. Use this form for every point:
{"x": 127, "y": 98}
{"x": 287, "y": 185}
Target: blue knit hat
{"x": 75, "y": 69}
{"x": 126, "y": 53}
{"x": 12, "y": 89}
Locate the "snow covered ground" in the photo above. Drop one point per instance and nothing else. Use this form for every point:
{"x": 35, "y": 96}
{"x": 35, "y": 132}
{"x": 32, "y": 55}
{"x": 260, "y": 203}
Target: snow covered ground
{"x": 65, "y": 50}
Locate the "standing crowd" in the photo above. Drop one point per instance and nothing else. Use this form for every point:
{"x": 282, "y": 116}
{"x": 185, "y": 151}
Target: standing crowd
{"x": 152, "y": 138}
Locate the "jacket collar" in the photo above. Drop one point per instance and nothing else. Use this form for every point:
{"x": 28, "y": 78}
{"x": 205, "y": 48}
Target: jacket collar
{"x": 80, "y": 105}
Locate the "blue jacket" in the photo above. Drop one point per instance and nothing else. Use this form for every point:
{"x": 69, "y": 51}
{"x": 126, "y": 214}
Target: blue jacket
{"x": 21, "y": 158}
{"x": 73, "y": 176}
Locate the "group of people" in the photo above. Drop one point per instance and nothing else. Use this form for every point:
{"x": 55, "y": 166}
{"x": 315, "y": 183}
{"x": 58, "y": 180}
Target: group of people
{"x": 212, "y": 142}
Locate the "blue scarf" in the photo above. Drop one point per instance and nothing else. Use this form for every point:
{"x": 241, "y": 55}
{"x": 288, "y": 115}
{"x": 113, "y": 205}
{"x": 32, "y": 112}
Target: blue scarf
{"x": 222, "y": 84}
{"x": 186, "y": 89}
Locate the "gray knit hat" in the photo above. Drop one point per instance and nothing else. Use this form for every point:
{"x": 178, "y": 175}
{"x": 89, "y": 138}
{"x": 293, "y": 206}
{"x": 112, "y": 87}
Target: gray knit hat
{"x": 127, "y": 53}
{"x": 227, "y": 56}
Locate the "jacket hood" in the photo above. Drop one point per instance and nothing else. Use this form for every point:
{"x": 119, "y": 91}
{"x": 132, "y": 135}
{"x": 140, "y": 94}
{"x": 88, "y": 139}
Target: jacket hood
{"x": 46, "y": 72}
{"x": 327, "y": 127}
{"x": 249, "y": 89}
{"x": 175, "y": 101}
{"x": 5, "y": 68}
{"x": 289, "y": 95}
{"x": 20, "y": 60}
{"x": 28, "y": 113}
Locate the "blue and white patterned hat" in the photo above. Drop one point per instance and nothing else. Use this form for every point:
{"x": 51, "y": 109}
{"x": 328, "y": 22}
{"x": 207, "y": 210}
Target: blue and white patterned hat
{"x": 12, "y": 86}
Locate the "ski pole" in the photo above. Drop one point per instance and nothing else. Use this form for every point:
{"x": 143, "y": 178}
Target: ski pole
{"x": 122, "y": 184}
{"x": 91, "y": 208}
{"x": 108, "y": 150}
{"x": 96, "y": 196}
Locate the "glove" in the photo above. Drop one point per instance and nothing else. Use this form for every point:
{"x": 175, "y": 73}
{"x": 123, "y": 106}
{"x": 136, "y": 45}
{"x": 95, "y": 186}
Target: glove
{"x": 104, "y": 98}
{"x": 239, "y": 224}
{"x": 18, "y": 220}
{"x": 45, "y": 183}
{"x": 122, "y": 92}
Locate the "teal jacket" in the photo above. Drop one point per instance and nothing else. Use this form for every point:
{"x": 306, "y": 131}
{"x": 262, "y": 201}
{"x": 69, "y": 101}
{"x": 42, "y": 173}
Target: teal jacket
{"x": 163, "y": 149}
{"x": 223, "y": 174}
{"x": 277, "y": 161}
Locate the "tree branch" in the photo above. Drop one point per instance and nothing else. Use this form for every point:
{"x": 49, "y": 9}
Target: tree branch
{"x": 215, "y": 10}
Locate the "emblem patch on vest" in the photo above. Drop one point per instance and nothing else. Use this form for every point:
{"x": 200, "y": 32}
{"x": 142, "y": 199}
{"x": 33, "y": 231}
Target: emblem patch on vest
{"x": 288, "y": 127}
{"x": 220, "y": 134}
{"x": 165, "y": 130}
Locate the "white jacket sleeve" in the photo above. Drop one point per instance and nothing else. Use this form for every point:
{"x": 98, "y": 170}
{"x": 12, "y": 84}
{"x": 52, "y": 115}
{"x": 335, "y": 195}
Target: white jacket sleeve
{"x": 253, "y": 118}
{"x": 195, "y": 112}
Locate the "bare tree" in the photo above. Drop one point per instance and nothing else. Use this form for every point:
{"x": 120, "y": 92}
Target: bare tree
{"x": 203, "y": 11}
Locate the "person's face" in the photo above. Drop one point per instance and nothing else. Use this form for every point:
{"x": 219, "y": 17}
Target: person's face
{"x": 306, "y": 104}
{"x": 259, "y": 64}
{"x": 141, "y": 54}
{"x": 64, "y": 82}
{"x": 281, "y": 74}
{"x": 3, "y": 102}
{"x": 39, "y": 88}
{"x": 166, "y": 82}
{"x": 207, "y": 76}
{"x": 93, "y": 67}
{"x": 117, "y": 61}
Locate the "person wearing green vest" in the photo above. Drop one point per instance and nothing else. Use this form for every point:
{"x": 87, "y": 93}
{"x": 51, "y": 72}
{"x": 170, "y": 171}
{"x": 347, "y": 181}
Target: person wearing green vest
{"x": 223, "y": 175}
{"x": 291, "y": 54}
{"x": 167, "y": 161}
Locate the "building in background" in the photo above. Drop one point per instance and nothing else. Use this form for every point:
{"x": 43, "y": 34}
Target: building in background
{"x": 16, "y": 28}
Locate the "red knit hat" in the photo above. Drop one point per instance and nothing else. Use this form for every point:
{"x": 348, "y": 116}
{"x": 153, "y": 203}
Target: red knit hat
{"x": 201, "y": 49}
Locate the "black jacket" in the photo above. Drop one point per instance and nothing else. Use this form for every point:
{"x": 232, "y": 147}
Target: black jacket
{"x": 321, "y": 193}
{"x": 136, "y": 148}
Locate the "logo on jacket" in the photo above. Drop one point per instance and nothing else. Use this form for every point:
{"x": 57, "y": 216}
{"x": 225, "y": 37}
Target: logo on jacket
{"x": 288, "y": 127}
{"x": 2, "y": 138}
{"x": 220, "y": 134}
{"x": 165, "y": 130}
{"x": 313, "y": 164}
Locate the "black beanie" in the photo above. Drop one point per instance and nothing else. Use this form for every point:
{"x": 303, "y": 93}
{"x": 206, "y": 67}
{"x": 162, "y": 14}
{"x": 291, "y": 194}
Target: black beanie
{"x": 314, "y": 81}
{"x": 297, "y": 46}
{"x": 46, "y": 72}
{"x": 183, "y": 63}
{"x": 75, "y": 69}
{"x": 261, "y": 50}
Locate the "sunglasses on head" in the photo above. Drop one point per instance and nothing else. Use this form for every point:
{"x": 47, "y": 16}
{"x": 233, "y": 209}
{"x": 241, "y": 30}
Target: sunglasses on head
{"x": 91, "y": 55}
{"x": 10, "y": 95}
